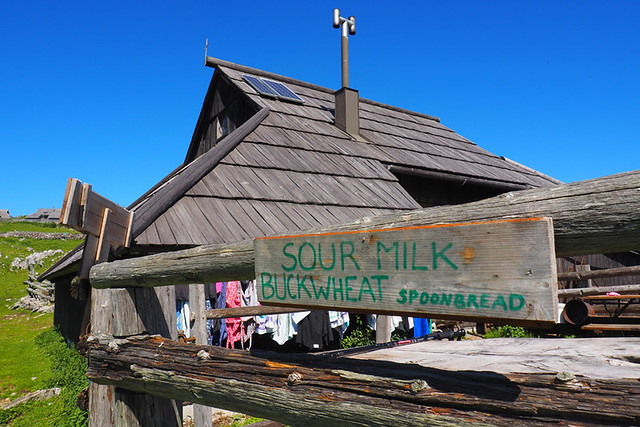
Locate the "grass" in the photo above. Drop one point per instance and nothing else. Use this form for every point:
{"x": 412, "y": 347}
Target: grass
{"x": 25, "y": 365}
{"x": 67, "y": 371}
{"x": 46, "y": 227}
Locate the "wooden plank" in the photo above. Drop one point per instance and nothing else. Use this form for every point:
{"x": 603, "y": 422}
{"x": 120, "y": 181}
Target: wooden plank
{"x": 597, "y": 290}
{"x": 126, "y": 321}
{"x": 180, "y": 232}
{"x": 486, "y": 270}
{"x": 258, "y": 310}
{"x": 101, "y": 397}
{"x": 102, "y": 250}
{"x": 141, "y": 409}
{"x": 101, "y": 400}
{"x": 83, "y": 210}
{"x": 88, "y": 256}
{"x": 596, "y": 274}
{"x": 94, "y": 206}
{"x": 610, "y": 327}
{"x": 612, "y": 297}
{"x": 165, "y": 230}
{"x": 71, "y": 206}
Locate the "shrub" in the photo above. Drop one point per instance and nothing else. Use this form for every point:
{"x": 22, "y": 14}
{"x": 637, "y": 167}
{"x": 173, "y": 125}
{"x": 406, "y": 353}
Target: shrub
{"x": 358, "y": 333}
{"x": 508, "y": 331}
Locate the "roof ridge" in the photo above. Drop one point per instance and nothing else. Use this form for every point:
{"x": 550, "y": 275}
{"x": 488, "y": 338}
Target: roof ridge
{"x": 216, "y": 62}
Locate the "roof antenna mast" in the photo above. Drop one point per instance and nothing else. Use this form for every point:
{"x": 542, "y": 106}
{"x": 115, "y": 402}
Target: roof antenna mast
{"x": 348, "y": 27}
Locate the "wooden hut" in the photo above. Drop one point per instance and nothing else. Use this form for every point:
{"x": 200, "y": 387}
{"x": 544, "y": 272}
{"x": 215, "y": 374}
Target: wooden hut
{"x": 271, "y": 154}
{"x": 44, "y": 215}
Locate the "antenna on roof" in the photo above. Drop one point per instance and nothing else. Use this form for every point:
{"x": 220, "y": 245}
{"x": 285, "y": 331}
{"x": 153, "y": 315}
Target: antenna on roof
{"x": 206, "y": 46}
{"x": 348, "y": 27}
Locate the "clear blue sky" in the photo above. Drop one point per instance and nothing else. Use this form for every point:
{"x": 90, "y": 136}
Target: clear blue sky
{"x": 109, "y": 92}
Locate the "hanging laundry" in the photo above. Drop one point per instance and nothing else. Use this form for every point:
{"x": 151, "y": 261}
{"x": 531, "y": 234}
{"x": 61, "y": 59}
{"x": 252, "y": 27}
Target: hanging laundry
{"x": 249, "y": 297}
{"x": 339, "y": 319}
{"x": 421, "y": 327}
{"x": 221, "y": 302}
{"x": 183, "y": 319}
{"x": 314, "y": 331}
{"x": 284, "y": 328}
{"x": 234, "y": 324}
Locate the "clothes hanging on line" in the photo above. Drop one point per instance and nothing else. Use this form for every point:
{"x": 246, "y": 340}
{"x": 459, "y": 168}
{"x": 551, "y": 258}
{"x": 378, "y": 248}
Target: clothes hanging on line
{"x": 320, "y": 330}
{"x": 183, "y": 319}
{"x": 221, "y": 288}
{"x": 421, "y": 327}
{"x": 234, "y": 324}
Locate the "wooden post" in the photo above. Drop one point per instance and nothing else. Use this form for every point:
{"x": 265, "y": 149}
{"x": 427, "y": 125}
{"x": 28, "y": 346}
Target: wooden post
{"x": 383, "y": 329}
{"x": 119, "y": 312}
{"x": 202, "y": 415}
{"x": 586, "y": 283}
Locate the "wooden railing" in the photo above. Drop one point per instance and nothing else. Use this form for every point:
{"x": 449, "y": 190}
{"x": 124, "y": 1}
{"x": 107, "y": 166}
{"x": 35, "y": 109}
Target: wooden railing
{"x": 596, "y": 216}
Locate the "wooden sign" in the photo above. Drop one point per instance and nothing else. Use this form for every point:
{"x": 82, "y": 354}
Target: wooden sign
{"x": 476, "y": 271}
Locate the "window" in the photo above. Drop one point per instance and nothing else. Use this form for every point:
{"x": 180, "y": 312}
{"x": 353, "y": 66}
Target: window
{"x": 222, "y": 125}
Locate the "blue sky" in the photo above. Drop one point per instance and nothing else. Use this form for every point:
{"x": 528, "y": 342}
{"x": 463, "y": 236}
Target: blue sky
{"x": 109, "y": 92}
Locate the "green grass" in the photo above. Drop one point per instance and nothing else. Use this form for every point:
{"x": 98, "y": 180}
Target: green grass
{"x": 45, "y": 227}
{"x": 24, "y": 365}
{"x": 67, "y": 371}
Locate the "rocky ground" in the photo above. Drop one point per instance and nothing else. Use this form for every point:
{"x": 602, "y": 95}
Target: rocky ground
{"x": 41, "y": 235}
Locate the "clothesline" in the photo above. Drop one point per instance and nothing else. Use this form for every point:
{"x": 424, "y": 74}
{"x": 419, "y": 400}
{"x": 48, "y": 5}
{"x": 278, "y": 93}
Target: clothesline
{"x": 310, "y": 330}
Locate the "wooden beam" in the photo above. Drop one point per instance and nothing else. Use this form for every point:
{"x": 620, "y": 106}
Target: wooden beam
{"x": 84, "y": 210}
{"x": 597, "y": 274}
{"x": 202, "y": 415}
{"x": 71, "y": 212}
{"x": 596, "y": 290}
{"x": 258, "y": 310}
{"x": 600, "y": 327}
{"x": 595, "y": 216}
{"x": 317, "y": 391}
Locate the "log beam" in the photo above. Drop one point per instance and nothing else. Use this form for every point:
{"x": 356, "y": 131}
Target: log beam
{"x": 595, "y": 216}
{"x": 633, "y": 270}
{"x": 301, "y": 389}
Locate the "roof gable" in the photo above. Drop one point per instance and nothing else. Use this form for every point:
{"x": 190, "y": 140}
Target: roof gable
{"x": 285, "y": 166}
{"x": 295, "y": 169}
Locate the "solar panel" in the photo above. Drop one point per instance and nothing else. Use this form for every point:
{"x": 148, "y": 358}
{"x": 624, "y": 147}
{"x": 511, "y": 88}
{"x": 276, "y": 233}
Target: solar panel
{"x": 260, "y": 86}
{"x": 283, "y": 91}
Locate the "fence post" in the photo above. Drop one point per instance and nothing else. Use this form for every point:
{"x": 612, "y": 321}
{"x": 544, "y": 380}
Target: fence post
{"x": 202, "y": 415}
{"x": 122, "y": 313}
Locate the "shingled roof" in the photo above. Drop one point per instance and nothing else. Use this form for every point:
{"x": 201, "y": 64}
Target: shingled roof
{"x": 286, "y": 166}
{"x": 289, "y": 167}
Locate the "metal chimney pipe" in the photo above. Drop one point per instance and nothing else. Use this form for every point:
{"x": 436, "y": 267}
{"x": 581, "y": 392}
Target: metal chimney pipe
{"x": 344, "y": 44}
{"x": 348, "y": 27}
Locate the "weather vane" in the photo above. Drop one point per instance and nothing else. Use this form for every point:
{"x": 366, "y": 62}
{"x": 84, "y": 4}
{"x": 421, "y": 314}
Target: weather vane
{"x": 348, "y": 27}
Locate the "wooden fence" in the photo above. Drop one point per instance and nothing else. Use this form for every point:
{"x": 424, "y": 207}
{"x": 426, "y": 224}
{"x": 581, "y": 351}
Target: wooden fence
{"x": 133, "y": 297}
